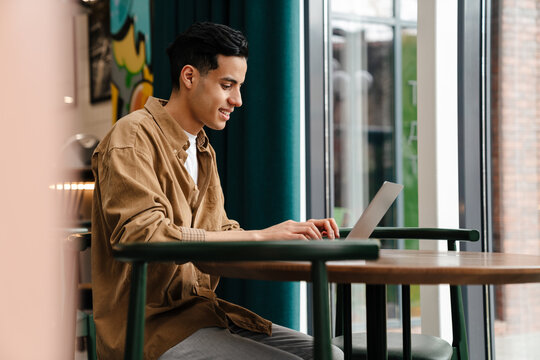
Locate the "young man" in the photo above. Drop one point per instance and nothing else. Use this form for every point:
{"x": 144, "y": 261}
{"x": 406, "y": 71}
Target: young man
{"x": 157, "y": 180}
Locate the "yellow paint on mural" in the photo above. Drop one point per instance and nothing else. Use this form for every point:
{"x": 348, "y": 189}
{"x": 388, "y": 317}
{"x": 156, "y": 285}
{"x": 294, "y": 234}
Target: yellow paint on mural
{"x": 114, "y": 101}
{"x": 126, "y": 55}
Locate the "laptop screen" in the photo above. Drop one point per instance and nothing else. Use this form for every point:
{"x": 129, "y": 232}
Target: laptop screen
{"x": 375, "y": 211}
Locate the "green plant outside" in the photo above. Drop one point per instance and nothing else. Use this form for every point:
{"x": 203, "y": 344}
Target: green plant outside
{"x": 410, "y": 148}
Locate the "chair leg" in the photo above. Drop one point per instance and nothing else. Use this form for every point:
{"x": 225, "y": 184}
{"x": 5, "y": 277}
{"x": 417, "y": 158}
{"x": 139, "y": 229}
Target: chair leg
{"x": 91, "y": 344}
{"x": 344, "y": 318}
{"x": 406, "y": 320}
{"x": 459, "y": 341}
{"x": 339, "y": 310}
{"x": 376, "y": 322}
{"x": 321, "y": 319}
{"x": 135, "y": 323}
{"x": 347, "y": 321}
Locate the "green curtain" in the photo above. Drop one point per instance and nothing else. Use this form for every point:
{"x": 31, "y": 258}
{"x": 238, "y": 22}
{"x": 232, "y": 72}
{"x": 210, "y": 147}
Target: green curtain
{"x": 258, "y": 153}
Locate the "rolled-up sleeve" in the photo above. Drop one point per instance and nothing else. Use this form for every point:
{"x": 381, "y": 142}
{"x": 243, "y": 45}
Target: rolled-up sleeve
{"x": 191, "y": 234}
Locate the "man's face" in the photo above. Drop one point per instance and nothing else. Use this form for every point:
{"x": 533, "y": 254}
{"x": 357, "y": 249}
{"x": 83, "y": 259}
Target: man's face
{"x": 217, "y": 93}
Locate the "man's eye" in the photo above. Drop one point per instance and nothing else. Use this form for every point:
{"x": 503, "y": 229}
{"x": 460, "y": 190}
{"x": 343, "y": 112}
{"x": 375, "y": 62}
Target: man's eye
{"x": 226, "y": 86}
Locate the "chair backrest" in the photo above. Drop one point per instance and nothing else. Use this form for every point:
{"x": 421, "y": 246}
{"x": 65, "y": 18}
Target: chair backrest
{"x": 317, "y": 252}
{"x": 459, "y": 331}
{"x": 85, "y": 320}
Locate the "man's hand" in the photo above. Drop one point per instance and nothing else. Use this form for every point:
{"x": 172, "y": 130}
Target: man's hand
{"x": 313, "y": 229}
{"x": 327, "y": 227}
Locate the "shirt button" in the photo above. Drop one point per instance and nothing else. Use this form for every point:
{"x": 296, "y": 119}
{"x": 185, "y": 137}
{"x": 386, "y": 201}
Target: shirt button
{"x": 175, "y": 151}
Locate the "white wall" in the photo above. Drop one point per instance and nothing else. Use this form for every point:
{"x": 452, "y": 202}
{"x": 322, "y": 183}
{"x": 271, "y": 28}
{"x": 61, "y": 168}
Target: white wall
{"x": 94, "y": 119}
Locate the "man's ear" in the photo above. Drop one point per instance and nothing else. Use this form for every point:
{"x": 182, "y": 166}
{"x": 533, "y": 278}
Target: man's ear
{"x": 188, "y": 76}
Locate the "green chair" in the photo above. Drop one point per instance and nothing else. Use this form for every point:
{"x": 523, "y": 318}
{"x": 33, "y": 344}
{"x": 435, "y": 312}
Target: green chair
{"x": 405, "y": 345}
{"x": 85, "y": 327}
{"x": 317, "y": 252}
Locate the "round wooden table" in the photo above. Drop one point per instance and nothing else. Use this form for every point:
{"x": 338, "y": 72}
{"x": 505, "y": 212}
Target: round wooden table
{"x": 395, "y": 267}
{"x": 398, "y": 267}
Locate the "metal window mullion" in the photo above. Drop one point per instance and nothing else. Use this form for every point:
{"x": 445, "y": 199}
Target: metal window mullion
{"x": 328, "y": 125}
{"x": 472, "y": 95}
{"x": 316, "y": 154}
{"x": 485, "y": 83}
{"x": 314, "y": 43}
{"x": 398, "y": 124}
{"x": 398, "y": 111}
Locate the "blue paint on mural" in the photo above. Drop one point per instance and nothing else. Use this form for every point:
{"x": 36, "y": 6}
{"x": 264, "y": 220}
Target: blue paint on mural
{"x": 139, "y": 11}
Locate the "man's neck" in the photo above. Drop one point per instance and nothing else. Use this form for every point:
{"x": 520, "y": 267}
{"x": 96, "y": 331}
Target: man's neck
{"x": 176, "y": 107}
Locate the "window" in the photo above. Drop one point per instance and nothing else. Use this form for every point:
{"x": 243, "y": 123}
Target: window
{"x": 373, "y": 121}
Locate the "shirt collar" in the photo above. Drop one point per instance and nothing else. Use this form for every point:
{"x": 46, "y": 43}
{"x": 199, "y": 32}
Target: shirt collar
{"x": 173, "y": 131}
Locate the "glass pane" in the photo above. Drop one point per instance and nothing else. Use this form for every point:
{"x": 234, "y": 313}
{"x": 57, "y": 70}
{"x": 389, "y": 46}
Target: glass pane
{"x": 409, "y": 148}
{"x": 409, "y": 153}
{"x": 363, "y": 121}
{"x": 515, "y": 179}
{"x": 378, "y": 8}
{"x": 363, "y": 84}
{"x": 409, "y": 10}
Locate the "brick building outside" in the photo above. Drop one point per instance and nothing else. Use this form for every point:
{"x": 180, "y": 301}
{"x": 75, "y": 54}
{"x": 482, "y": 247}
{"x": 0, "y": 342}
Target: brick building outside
{"x": 515, "y": 117}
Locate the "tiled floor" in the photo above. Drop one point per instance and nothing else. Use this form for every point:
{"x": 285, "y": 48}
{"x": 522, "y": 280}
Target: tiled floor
{"x": 522, "y": 347}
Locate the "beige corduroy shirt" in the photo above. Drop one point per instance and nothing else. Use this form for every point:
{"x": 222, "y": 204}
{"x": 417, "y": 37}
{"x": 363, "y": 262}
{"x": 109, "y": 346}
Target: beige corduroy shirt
{"x": 144, "y": 193}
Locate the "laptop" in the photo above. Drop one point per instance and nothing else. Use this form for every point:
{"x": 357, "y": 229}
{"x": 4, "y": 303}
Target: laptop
{"x": 375, "y": 211}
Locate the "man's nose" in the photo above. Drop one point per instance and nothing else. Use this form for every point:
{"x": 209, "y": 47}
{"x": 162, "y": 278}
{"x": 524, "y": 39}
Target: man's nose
{"x": 236, "y": 99}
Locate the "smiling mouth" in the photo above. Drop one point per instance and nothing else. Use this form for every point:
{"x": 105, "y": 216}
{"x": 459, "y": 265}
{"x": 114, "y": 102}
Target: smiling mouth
{"x": 227, "y": 114}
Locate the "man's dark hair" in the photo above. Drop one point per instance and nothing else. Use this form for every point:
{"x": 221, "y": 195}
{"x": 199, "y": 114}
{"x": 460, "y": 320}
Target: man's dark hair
{"x": 200, "y": 45}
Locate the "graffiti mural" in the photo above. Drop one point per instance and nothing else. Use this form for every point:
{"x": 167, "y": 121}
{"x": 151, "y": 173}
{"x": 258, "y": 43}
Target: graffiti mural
{"x": 132, "y": 78}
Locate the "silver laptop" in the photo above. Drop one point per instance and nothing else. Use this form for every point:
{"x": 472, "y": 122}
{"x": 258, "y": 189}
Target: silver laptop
{"x": 375, "y": 211}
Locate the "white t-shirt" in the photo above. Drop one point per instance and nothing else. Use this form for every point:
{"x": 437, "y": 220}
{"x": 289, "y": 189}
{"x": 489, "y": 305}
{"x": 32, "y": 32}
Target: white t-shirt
{"x": 191, "y": 161}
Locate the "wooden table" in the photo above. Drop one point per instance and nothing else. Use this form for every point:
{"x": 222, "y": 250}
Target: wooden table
{"x": 396, "y": 267}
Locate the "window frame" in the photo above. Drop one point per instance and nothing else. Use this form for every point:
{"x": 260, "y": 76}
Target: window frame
{"x": 474, "y": 122}
{"x": 473, "y": 133}
{"x": 318, "y": 106}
